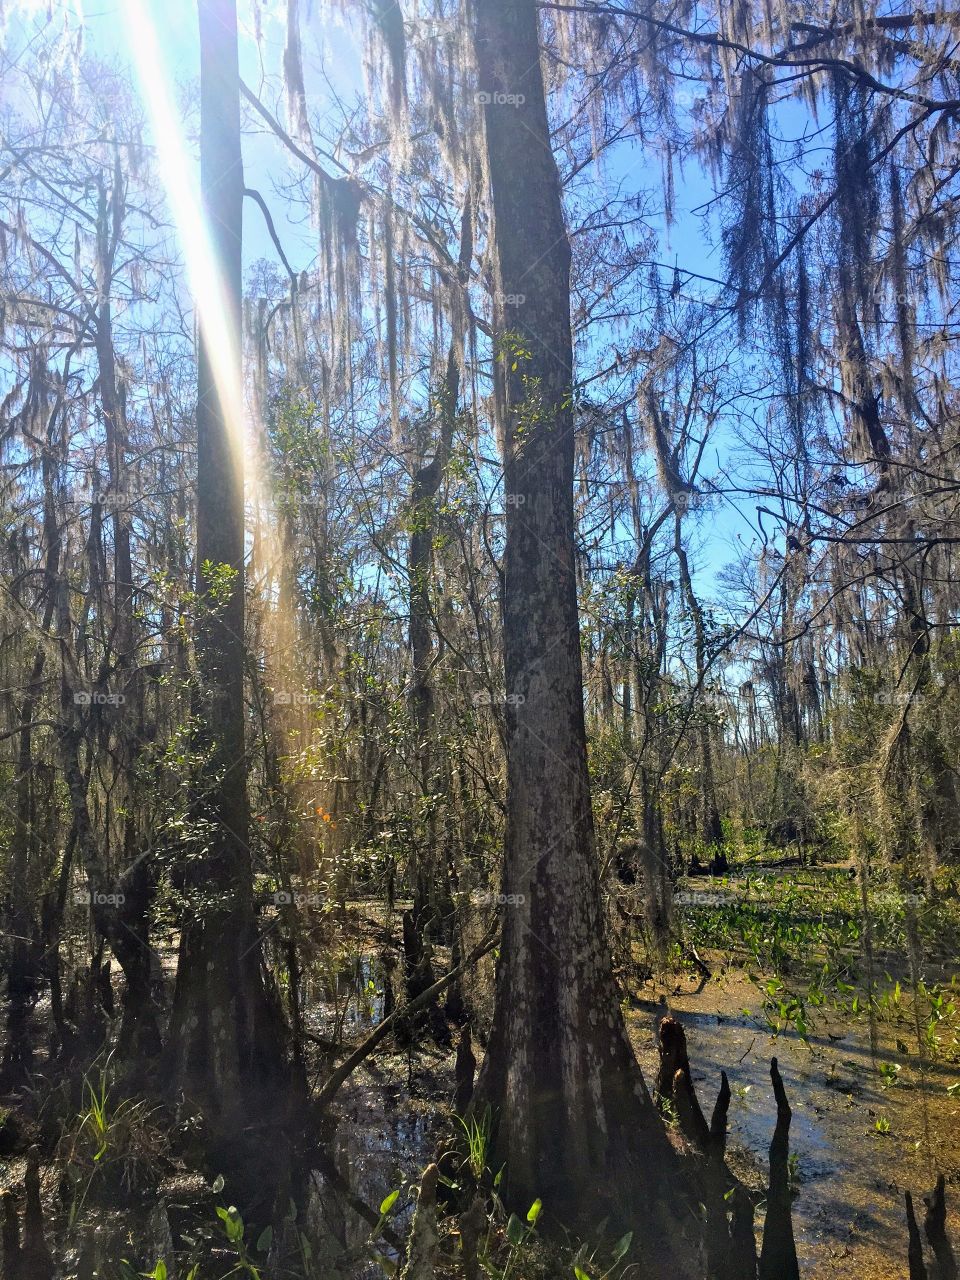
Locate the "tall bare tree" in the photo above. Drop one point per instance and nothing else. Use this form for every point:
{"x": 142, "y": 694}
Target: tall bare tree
{"x": 224, "y": 1026}
{"x": 573, "y": 1113}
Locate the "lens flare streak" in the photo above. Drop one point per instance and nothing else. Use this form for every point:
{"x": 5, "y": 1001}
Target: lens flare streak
{"x": 180, "y": 178}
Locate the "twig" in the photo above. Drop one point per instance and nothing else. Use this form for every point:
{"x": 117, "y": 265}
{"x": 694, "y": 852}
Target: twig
{"x": 350, "y": 1064}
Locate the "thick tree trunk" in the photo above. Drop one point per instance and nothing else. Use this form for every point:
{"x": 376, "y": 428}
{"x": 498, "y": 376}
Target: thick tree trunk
{"x": 225, "y": 1029}
{"x": 572, "y": 1108}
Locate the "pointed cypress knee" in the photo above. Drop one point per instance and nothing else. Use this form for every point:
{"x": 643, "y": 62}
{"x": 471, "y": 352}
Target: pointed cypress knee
{"x": 935, "y": 1226}
{"x": 742, "y": 1238}
{"x": 11, "y": 1238}
{"x": 778, "y": 1255}
{"x": 718, "y": 1121}
{"x": 472, "y": 1226}
{"x": 918, "y": 1270}
{"x": 424, "y": 1235}
{"x": 730, "y": 1247}
{"x": 464, "y": 1071}
{"x": 674, "y": 1080}
{"x": 36, "y": 1261}
{"x": 737, "y": 1259}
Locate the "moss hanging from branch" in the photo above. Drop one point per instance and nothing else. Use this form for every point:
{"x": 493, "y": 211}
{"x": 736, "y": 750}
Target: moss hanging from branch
{"x": 749, "y": 237}
{"x": 388, "y": 22}
{"x": 293, "y": 78}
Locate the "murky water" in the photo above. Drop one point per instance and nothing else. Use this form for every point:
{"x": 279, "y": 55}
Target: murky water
{"x": 378, "y": 1147}
{"x": 346, "y": 998}
{"x": 848, "y": 1212}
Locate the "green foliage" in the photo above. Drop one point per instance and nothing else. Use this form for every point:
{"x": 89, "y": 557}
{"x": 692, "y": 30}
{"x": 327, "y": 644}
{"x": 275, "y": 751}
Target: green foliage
{"x": 221, "y": 582}
{"x": 114, "y": 1144}
{"x": 477, "y": 1131}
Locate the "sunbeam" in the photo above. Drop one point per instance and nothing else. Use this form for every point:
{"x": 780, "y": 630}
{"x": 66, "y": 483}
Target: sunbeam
{"x": 177, "y": 169}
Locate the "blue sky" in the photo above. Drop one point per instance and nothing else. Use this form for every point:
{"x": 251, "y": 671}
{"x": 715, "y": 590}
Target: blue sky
{"x": 334, "y": 45}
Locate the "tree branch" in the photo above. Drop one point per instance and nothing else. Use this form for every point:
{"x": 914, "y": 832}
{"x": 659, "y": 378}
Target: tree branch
{"x": 350, "y": 1064}
{"x": 259, "y": 200}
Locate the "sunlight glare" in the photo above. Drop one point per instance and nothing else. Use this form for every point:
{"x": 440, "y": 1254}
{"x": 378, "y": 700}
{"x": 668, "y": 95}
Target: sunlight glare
{"x": 283, "y": 663}
{"x": 180, "y": 177}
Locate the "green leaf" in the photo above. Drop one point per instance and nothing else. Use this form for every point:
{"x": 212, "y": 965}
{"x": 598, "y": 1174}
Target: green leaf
{"x": 622, "y": 1246}
{"x": 265, "y": 1240}
{"x": 533, "y": 1213}
{"x": 160, "y": 1271}
{"x": 387, "y": 1204}
{"x": 515, "y": 1230}
{"x": 580, "y": 1273}
{"x": 232, "y": 1223}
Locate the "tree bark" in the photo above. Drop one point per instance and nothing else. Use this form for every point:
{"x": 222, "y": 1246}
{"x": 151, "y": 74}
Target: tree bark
{"x": 430, "y": 891}
{"x": 130, "y": 936}
{"x": 572, "y": 1108}
{"x": 710, "y": 829}
{"x": 778, "y": 1254}
{"x": 224, "y": 1029}
{"x": 432, "y": 900}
